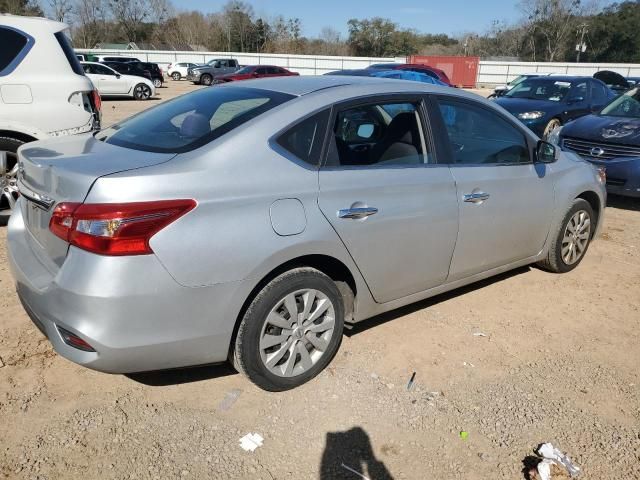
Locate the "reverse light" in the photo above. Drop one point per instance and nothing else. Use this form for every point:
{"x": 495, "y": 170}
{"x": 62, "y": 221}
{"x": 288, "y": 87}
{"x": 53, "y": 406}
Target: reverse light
{"x": 530, "y": 115}
{"x": 115, "y": 228}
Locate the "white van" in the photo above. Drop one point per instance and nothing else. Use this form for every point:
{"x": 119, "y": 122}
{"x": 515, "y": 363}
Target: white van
{"x": 43, "y": 92}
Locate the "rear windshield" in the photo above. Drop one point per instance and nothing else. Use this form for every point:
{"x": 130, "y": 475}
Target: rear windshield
{"x": 65, "y": 44}
{"x": 192, "y": 120}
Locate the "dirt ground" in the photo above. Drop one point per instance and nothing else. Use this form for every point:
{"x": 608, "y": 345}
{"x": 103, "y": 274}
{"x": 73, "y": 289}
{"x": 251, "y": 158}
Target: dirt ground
{"x": 559, "y": 363}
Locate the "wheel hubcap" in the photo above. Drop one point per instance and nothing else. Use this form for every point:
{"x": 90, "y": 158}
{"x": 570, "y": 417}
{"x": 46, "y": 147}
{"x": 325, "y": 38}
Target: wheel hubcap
{"x": 8, "y": 180}
{"x": 297, "y": 332}
{"x": 576, "y": 237}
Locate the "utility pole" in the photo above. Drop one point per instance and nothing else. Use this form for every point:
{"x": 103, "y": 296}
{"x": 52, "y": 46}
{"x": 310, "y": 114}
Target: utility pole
{"x": 581, "y": 47}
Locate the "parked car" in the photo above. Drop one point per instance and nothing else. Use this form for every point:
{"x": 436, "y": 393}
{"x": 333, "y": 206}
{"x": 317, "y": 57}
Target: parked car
{"x": 255, "y": 71}
{"x": 204, "y": 74}
{"x": 139, "y": 69}
{"x": 33, "y": 106}
{"x": 304, "y": 203}
{"x": 500, "y": 90}
{"x": 180, "y": 70}
{"x": 545, "y": 103}
{"x": 415, "y": 67}
{"x": 111, "y": 83}
{"x": 609, "y": 139}
{"x": 633, "y": 81}
{"x": 117, "y": 58}
{"x": 395, "y": 74}
{"x": 616, "y": 82}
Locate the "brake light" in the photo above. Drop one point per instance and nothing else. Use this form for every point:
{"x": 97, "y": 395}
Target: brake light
{"x": 97, "y": 101}
{"x": 115, "y": 228}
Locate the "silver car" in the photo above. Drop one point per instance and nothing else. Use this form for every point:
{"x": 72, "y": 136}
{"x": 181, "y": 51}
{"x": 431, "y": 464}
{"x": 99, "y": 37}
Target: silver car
{"x": 251, "y": 222}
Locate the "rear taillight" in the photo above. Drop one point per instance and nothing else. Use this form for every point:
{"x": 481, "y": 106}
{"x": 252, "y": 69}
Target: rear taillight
{"x": 115, "y": 228}
{"x": 74, "y": 341}
{"x": 97, "y": 101}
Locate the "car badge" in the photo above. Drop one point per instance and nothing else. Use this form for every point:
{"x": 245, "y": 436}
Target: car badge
{"x": 597, "y": 152}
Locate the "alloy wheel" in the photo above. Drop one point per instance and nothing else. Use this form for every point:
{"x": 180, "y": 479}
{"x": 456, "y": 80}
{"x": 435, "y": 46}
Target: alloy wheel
{"x": 157, "y": 83}
{"x": 175, "y": 76}
{"x": 8, "y": 179}
{"x": 576, "y": 237}
{"x": 297, "y": 332}
{"x": 142, "y": 92}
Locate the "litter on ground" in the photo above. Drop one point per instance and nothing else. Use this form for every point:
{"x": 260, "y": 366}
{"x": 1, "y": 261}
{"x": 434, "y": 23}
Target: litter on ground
{"x": 251, "y": 441}
{"x": 550, "y": 456}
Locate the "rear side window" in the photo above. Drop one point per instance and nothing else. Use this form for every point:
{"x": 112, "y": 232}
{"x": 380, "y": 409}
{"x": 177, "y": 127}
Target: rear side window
{"x": 192, "y": 120}
{"x": 65, "y": 44}
{"x": 304, "y": 140}
{"x": 599, "y": 93}
{"x": 15, "y": 46}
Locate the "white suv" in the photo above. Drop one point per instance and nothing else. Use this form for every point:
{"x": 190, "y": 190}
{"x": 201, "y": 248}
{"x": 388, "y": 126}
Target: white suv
{"x": 43, "y": 92}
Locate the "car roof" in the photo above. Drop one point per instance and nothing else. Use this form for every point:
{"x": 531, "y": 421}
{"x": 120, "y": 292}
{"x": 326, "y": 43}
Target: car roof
{"x": 306, "y": 84}
{"x": 565, "y": 78}
{"x": 19, "y": 21}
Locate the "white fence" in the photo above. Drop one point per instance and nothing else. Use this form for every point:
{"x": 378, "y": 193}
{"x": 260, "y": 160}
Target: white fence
{"x": 493, "y": 73}
{"x": 303, "y": 64}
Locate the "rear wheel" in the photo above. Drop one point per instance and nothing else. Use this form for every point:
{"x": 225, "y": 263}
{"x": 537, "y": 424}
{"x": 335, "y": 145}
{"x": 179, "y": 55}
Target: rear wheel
{"x": 142, "y": 92}
{"x": 206, "y": 79}
{"x": 290, "y": 331}
{"x": 571, "y": 239}
{"x": 8, "y": 172}
{"x": 176, "y": 76}
{"x": 157, "y": 82}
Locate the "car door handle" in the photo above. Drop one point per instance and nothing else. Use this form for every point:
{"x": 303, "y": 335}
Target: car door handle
{"x": 476, "y": 197}
{"x": 355, "y": 213}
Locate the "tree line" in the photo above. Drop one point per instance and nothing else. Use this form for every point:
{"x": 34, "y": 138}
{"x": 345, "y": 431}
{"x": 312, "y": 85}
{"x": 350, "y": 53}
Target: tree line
{"x": 548, "y": 30}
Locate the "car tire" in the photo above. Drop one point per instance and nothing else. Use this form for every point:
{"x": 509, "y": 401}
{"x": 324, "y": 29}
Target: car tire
{"x": 8, "y": 173}
{"x": 142, "y": 91}
{"x": 550, "y": 127}
{"x": 206, "y": 79}
{"x": 157, "y": 83}
{"x": 270, "y": 346}
{"x": 571, "y": 238}
{"x": 176, "y": 76}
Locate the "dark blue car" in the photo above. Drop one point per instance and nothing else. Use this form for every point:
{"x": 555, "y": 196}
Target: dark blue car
{"x": 610, "y": 139}
{"x": 545, "y": 103}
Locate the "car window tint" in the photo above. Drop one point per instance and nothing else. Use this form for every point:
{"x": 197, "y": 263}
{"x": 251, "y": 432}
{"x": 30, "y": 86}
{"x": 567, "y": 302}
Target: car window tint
{"x": 261, "y": 71}
{"x": 190, "y": 121}
{"x": 480, "y": 136}
{"x": 423, "y": 70}
{"x": 579, "y": 90}
{"x": 304, "y": 140}
{"x": 599, "y": 93}
{"x": 13, "y": 43}
{"x": 378, "y": 134}
{"x": 102, "y": 70}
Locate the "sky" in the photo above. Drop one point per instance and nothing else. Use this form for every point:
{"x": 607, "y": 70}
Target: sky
{"x": 452, "y": 17}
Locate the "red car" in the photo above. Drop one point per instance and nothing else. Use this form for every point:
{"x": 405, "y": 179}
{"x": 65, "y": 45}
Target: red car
{"x": 254, "y": 71}
{"x": 415, "y": 67}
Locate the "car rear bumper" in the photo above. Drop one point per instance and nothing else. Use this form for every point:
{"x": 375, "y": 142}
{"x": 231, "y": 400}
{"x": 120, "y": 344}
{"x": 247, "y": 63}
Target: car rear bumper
{"x": 623, "y": 175}
{"x": 129, "y": 309}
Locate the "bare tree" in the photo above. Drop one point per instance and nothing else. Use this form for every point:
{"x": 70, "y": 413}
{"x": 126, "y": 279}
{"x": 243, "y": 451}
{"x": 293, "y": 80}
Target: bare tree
{"x": 61, "y": 9}
{"x": 90, "y": 19}
{"x": 131, "y": 15}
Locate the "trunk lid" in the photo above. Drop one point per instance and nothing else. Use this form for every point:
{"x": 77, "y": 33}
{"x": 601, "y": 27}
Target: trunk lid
{"x": 63, "y": 170}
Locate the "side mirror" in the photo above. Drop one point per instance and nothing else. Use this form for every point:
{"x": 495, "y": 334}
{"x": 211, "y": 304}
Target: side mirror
{"x": 118, "y": 75}
{"x": 546, "y": 152}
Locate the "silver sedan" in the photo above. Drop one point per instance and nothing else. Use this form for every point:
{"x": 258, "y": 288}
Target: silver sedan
{"x": 252, "y": 221}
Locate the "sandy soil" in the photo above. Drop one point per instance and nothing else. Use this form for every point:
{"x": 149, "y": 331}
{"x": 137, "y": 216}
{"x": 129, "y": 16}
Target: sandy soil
{"x": 559, "y": 363}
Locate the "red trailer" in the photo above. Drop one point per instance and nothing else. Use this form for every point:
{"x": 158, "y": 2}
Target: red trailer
{"x": 462, "y": 71}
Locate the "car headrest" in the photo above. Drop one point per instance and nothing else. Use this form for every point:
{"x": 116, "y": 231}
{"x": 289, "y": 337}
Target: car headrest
{"x": 195, "y": 125}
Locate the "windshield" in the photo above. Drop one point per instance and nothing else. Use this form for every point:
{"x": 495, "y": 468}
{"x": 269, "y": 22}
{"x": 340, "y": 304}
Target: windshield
{"x": 626, "y": 105}
{"x": 518, "y": 80}
{"x": 245, "y": 70}
{"x": 192, "y": 120}
{"x": 540, "y": 89}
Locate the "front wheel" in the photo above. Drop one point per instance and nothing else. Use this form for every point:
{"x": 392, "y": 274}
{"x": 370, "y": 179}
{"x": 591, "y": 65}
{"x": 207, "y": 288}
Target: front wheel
{"x": 8, "y": 172}
{"x": 571, "y": 239}
{"x": 551, "y": 126}
{"x": 142, "y": 92}
{"x": 290, "y": 331}
{"x": 176, "y": 76}
{"x": 206, "y": 80}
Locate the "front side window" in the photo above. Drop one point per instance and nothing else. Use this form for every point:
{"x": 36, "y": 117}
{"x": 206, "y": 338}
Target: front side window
{"x": 579, "y": 92}
{"x": 101, "y": 70}
{"x": 599, "y": 93}
{"x": 192, "y": 120}
{"x": 304, "y": 140}
{"x": 480, "y": 136}
{"x": 378, "y": 134}
{"x": 15, "y": 45}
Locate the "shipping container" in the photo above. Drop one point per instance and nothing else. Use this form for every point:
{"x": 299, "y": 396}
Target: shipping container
{"x": 462, "y": 71}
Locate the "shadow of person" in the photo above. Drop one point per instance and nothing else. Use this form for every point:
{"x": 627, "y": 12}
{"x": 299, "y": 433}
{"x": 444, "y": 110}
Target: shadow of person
{"x": 349, "y": 455}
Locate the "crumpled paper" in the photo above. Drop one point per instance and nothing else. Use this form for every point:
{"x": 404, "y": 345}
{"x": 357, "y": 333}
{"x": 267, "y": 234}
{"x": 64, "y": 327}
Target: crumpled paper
{"x": 551, "y": 455}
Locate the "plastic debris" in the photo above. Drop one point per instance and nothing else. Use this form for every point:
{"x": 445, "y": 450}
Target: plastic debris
{"x": 479, "y": 334}
{"x": 229, "y": 399}
{"x": 550, "y": 456}
{"x": 251, "y": 441}
{"x": 347, "y": 467}
{"x": 411, "y": 380}
{"x": 464, "y": 435}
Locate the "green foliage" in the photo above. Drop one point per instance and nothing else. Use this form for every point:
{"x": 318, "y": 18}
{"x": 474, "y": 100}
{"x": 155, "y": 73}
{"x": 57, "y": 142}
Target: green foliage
{"x": 613, "y": 34}
{"x": 21, "y": 7}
